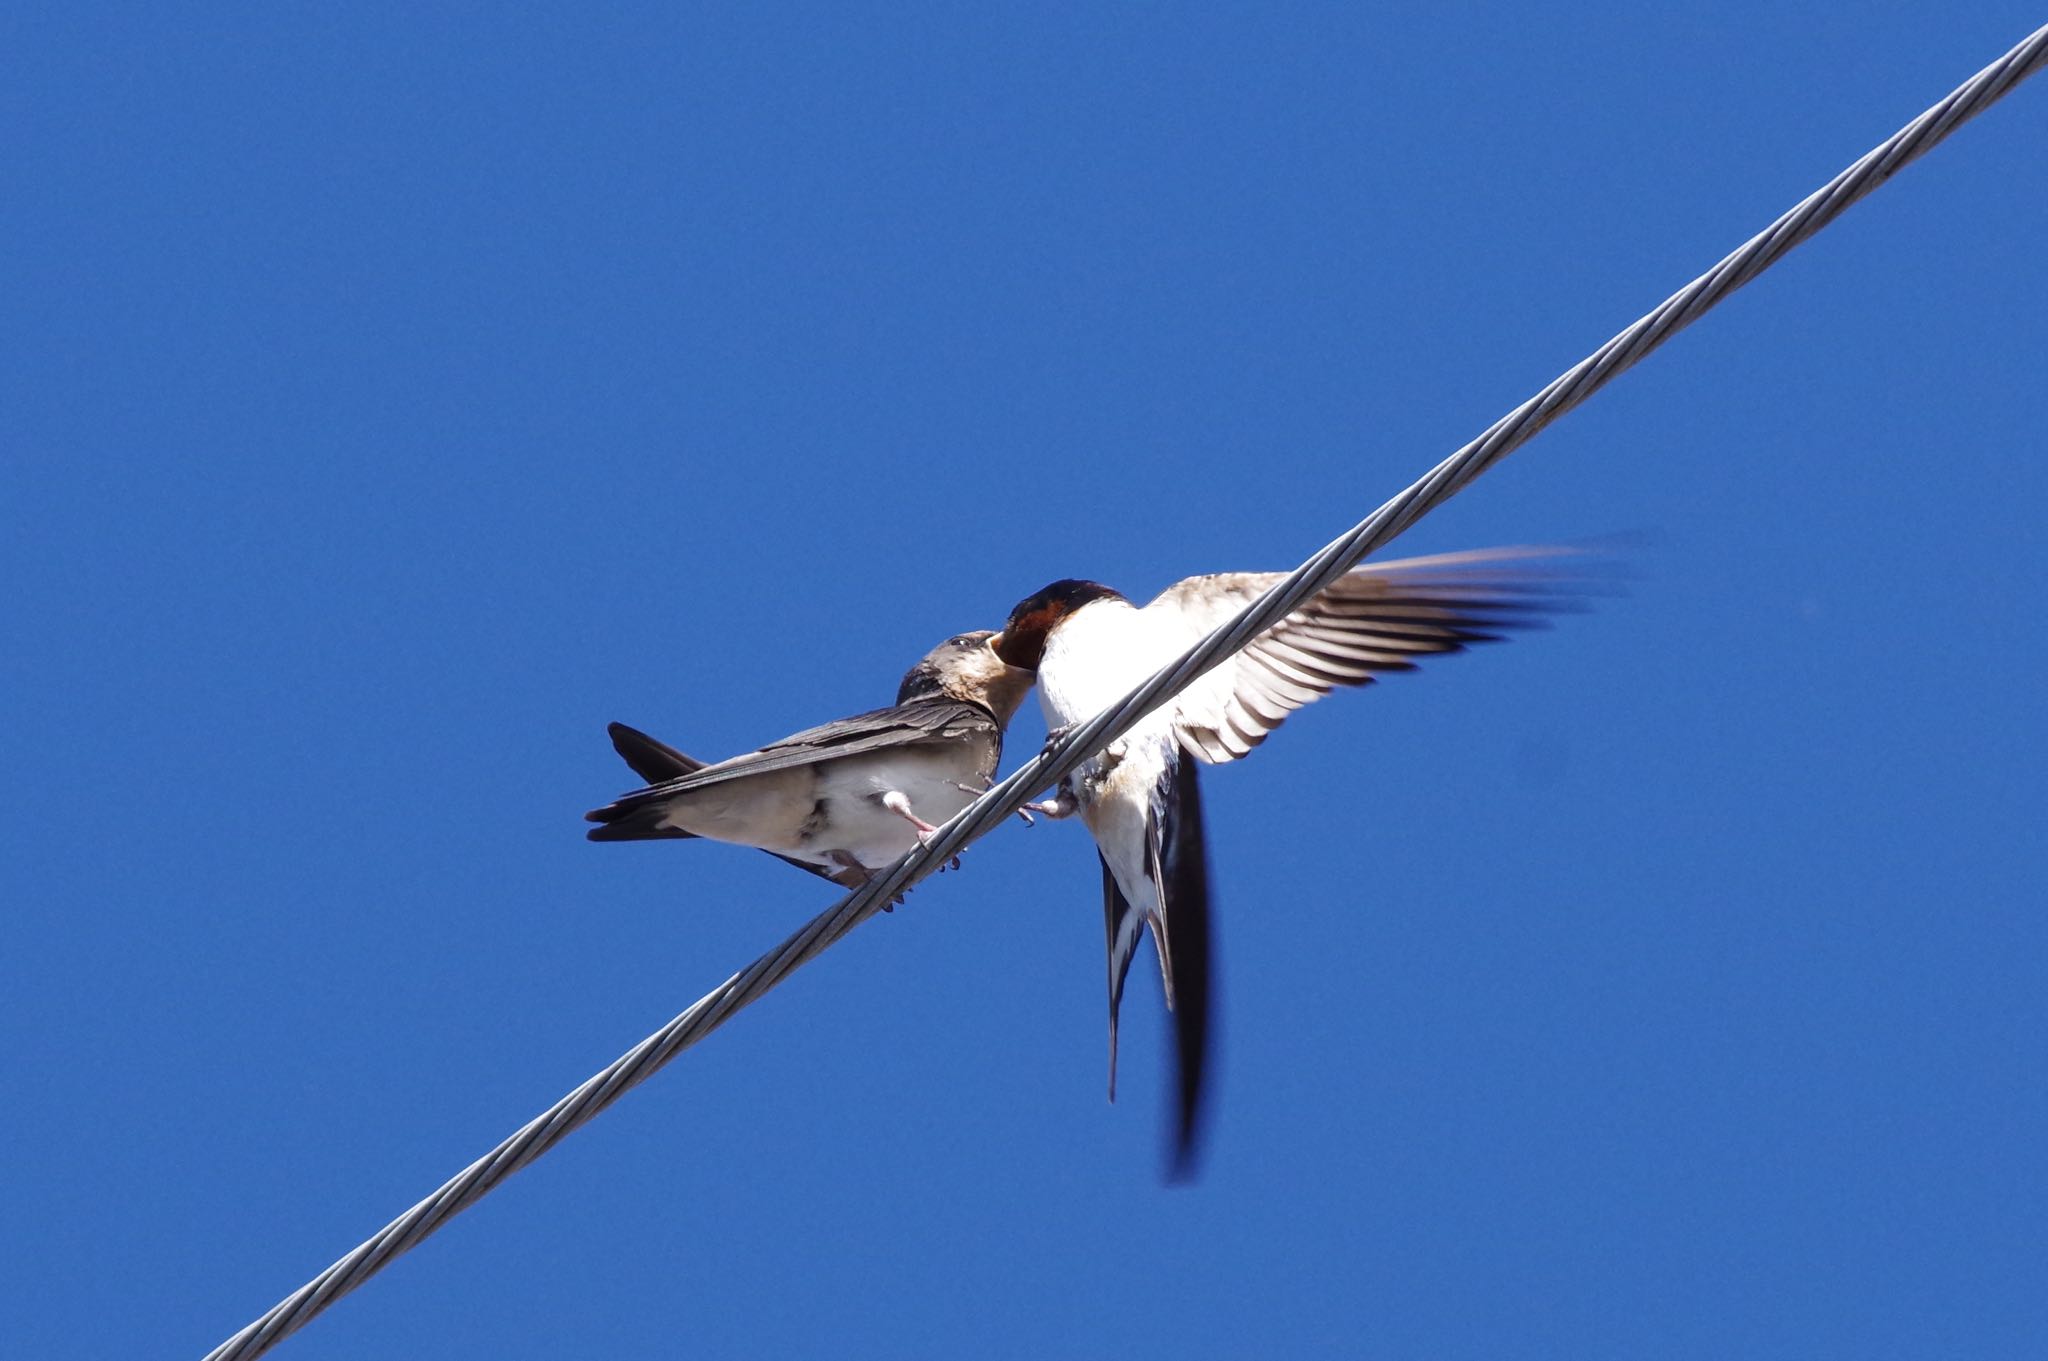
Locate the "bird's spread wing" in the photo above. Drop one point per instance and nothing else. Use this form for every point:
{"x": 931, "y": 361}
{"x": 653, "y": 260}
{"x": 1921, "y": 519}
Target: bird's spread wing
{"x": 1377, "y": 618}
{"x": 921, "y": 721}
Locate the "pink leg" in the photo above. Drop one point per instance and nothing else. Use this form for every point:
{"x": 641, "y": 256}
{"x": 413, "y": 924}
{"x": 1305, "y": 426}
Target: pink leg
{"x": 970, "y": 789}
{"x": 1062, "y": 804}
{"x": 897, "y": 803}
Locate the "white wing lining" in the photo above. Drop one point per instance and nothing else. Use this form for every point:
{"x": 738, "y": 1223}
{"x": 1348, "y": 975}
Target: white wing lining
{"x": 1379, "y": 618}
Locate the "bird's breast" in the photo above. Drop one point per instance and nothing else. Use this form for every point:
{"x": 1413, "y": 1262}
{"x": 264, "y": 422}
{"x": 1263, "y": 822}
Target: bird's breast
{"x": 1096, "y": 656}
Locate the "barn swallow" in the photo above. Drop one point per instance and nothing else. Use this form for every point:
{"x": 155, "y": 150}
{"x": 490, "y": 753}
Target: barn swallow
{"x": 1140, "y": 797}
{"x": 848, "y": 798}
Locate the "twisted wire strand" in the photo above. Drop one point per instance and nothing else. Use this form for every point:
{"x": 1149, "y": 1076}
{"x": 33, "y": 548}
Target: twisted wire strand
{"x": 1442, "y": 482}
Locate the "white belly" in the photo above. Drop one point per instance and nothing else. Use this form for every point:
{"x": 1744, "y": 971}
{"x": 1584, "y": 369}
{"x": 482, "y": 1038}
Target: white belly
{"x": 850, "y": 794}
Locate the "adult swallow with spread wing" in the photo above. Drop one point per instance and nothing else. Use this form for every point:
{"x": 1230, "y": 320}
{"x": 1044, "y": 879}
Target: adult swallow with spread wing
{"x": 848, "y": 798}
{"x": 1140, "y": 797}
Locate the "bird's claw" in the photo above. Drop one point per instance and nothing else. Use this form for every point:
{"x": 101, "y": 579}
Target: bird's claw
{"x": 1062, "y": 804}
{"x": 924, "y": 838}
{"x": 1055, "y": 736}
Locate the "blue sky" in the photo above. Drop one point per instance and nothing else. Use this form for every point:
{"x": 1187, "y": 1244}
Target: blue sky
{"x": 392, "y": 397}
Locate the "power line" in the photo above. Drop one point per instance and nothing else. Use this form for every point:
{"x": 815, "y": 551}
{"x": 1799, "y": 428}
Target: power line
{"x": 1442, "y": 482}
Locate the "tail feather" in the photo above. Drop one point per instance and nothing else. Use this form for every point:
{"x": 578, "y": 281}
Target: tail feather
{"x": 632, "y": 819}
{"x": 1178, "y": 862}
{"x": 656, "y": 761}
{"x": 1125, "y": 928}
{"x": 652, "y": 760}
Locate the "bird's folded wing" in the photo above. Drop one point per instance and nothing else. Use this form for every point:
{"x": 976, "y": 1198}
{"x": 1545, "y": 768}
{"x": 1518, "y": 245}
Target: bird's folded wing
{"x": 654, "y": 761}
{"x": 1377, "y": 618}
{"x": 925, "y": 720}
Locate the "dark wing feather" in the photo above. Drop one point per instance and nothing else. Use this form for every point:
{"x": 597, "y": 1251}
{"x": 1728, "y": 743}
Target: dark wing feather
{"x": 927, "y": 720}
{"x": 652, "y": 760}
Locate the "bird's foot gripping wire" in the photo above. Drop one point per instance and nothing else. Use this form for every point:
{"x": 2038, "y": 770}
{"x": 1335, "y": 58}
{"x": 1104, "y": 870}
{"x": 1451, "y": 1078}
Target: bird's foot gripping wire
{"x": 986, "y": 786}
{"x": 1055, "y": 736}
{"x": 1062, "y": 804}
{"x": 896, "y": 802}
{"x": 1098, "y": 765}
